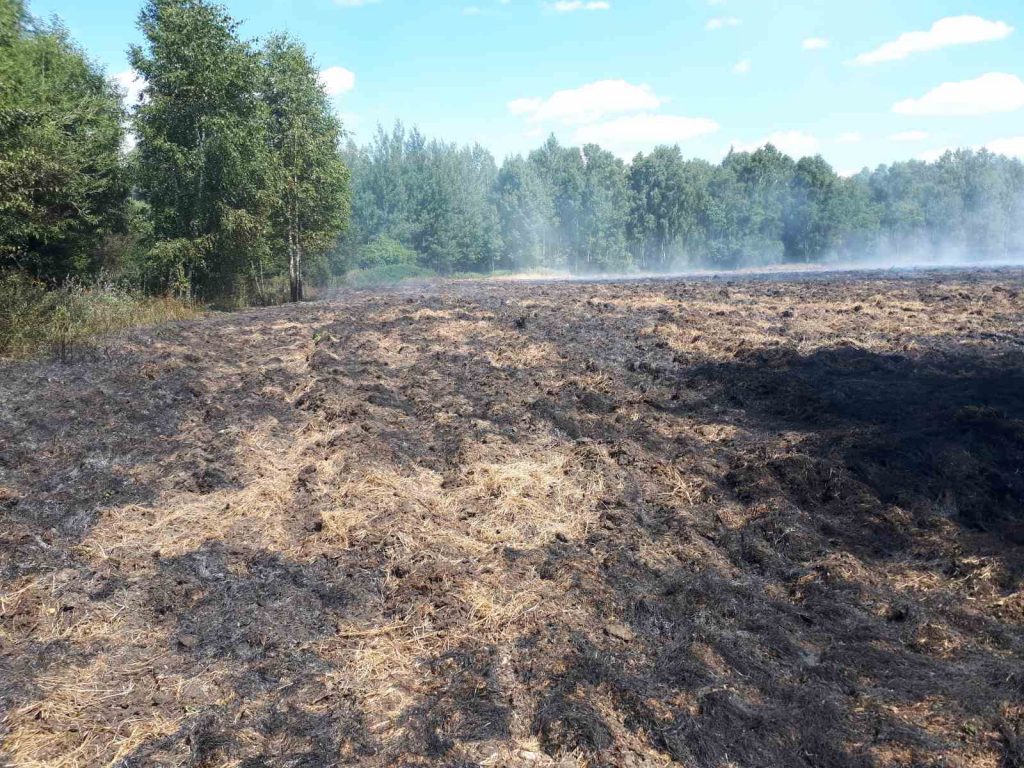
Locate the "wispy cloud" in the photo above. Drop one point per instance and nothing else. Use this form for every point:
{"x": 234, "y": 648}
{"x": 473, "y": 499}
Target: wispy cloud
{"x": 1012, "y": 146}
{"x": 815, "y": 43}
{"x": 742, "y": 67}
{"x": 721, "y": 22}
{"x": 569, "y": 6}
{"x": 952, "y": 30}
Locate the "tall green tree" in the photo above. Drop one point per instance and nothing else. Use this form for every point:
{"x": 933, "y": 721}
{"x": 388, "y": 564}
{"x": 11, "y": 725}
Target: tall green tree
{"x": 63, "y": 189}
{"x": 526, "y": 214}
{"x": 311, "y": 203}
{"x": 667, "y": 196}
{"x": 604, "y": 211}
{"x": 562, "y": 172}
{"x": 812, "y": 227}
{"x": 204, "y": 161}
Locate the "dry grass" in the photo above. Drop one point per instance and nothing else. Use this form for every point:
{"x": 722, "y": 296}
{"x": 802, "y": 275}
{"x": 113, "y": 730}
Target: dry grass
{"x": 34, "y": 319}
{"x": 410, "y": 529}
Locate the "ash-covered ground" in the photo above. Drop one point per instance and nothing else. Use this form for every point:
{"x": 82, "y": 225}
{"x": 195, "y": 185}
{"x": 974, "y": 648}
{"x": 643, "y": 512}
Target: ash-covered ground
{"x": 757, "y": 521}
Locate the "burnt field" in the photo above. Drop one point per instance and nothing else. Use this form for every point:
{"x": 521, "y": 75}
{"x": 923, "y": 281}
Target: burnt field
{"x": 749, "y": 522}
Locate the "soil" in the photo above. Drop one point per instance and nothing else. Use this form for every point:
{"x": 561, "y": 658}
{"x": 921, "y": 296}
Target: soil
{"x": 757, "y": 521}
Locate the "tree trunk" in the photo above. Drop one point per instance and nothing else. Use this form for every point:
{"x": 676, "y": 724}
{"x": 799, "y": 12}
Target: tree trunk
{"x": 298, "y": 259}
{"x": 293, "y": 266}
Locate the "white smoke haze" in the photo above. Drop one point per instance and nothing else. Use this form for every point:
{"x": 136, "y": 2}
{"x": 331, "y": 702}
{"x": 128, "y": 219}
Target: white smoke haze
{"x": 912, "y": 252}
{"x": 584, "y": 211}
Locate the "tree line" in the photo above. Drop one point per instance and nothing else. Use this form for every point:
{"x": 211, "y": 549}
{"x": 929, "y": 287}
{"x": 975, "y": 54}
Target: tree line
{"x": 230, "y": 176}
{"x": 235, "y": 180}
{"x": 582, "y": 209}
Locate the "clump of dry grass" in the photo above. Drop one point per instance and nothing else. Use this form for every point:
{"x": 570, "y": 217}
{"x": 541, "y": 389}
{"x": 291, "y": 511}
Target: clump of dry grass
{"x": 34, "y": 318}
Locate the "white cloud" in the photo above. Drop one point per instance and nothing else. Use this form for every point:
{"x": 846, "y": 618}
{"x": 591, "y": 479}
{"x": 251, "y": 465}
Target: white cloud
{"x": 618, "y": 115}
{"x": 354, "y": 3}
{"x": 471, "y": 10}
{"x": 909, "y": 136}
{"x": 742, "y": 67}
{"x": 721, "y": 22}
{"x": 337, "y": 80}
{"x": 568, "y": 6}
{"x": 1013, "y": 146}
{"x": 627, "y": 135}
{"x": 587, "y": 104}
{"x": 131, "y": 84}
{"x": 850, "y": 137}
{"x": 953, "y": 30}
{"x": 988, "y": 94}
{"x": 815, "y": 43}
{"x": 793, "y": 143}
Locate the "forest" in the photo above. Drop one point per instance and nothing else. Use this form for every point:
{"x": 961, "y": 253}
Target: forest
{"x": 231, "y": 178}
{"x": 583, "y": 210}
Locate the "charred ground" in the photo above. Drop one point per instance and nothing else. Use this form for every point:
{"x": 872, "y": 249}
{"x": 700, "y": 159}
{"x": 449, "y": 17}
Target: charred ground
{"x": 761, "y": 522}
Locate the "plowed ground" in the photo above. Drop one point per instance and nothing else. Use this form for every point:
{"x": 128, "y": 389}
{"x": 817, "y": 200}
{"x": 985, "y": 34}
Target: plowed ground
{"x": 759, "y": 522}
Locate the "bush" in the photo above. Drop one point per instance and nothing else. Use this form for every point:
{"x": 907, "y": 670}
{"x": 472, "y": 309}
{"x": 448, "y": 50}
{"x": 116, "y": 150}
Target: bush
{"x": 384, "y": 251}
{"x": 385, "y": 275}
{"x": 23, "y": 310}
{"x": 34, "y": 319}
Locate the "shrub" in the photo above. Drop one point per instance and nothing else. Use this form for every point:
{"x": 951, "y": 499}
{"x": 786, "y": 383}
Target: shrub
{"x": 383, "y": 251}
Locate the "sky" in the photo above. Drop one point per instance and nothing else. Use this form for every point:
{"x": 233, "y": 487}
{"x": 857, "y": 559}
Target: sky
{"x": 861, "y": 82}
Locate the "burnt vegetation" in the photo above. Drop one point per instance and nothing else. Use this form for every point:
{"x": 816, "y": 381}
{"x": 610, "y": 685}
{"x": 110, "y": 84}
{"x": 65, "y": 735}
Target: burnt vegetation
{"x": 759, "y": 522}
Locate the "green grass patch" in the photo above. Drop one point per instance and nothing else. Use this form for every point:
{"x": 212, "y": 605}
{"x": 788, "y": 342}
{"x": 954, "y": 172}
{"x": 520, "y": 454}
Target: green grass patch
{"x": 387, "y": 274}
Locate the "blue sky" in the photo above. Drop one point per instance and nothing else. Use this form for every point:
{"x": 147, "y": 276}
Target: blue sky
{"x": 862, "y": 82}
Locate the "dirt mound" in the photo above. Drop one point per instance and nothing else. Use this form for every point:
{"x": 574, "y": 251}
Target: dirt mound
{"x": 755, "y": 523}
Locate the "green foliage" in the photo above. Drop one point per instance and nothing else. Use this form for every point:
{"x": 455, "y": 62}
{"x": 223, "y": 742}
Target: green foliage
{"x": 667, "y": 195}
{"x": 526, "y": 215}
{"x": 431, "y": 197}
{"x": 242, "y": 194}
{"x": 310, "y": 204}
{"x": 204, "y": 163}
{"x": 62, "y": 180}
{"x": 384, "y": 251}
{"x": 238, "y": 156}
{"x": 241, "y": 188}
{"x": 584, "y": 210}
